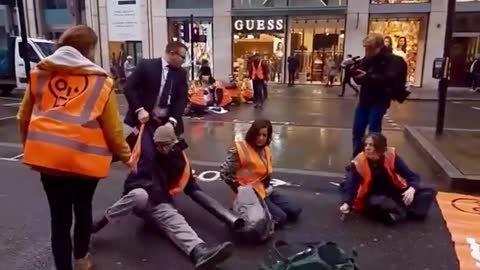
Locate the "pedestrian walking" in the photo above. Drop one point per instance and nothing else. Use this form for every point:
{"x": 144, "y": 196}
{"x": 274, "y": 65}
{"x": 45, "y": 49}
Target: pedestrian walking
{"x": 157, "y": 94}
{"x": 347, "y": 65}
{"x": 128, "y": 66}
{"x": 293, "y": 65}
{"x": 70, "y": 127}
{"x": 258, "y": 72}
{"x": 330, "y": 71}
{"x": 475, "y": 72}
{"x": 378, "y": 76}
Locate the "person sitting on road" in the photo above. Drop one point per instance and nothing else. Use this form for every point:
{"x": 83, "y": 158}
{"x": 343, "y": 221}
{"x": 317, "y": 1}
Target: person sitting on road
{"x": 249, "y": 163}
{"x": 152, "y": 200}
{"x": 382, "y": 186}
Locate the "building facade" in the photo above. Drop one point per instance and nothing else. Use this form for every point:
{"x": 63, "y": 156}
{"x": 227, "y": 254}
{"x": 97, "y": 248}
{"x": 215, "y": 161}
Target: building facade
{"x": 320, "y": 32}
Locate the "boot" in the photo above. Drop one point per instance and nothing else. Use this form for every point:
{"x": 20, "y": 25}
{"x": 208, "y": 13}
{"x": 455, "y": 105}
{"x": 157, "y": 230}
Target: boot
{"x": 205, "y": 257}
{"x": 99, "y": 224}
{"x": 84, "y": 263}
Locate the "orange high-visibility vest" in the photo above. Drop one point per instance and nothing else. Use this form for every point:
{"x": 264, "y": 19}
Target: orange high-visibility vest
{"x": 361, "y": 165}
{"x": 197, "y": 96}
{"x": 247, "y": 91}
{"x": 64, "y": 134}
{"x": 257, "y": 72}
{"x": 226, "y": 98}
{"x": 253, "y": 169}
{"x": 182, "y": 181}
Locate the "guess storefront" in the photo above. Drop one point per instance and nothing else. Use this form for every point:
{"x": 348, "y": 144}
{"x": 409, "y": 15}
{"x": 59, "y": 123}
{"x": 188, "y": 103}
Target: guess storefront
{"x": 263, "y": 36}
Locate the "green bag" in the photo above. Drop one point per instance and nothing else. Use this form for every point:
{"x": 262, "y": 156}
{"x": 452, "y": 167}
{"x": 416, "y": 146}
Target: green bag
{"x": 317, "y": 256}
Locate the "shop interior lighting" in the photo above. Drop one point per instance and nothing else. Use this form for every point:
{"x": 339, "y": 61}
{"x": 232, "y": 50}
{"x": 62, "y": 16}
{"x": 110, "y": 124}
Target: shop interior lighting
{"x": 250, "y": 37}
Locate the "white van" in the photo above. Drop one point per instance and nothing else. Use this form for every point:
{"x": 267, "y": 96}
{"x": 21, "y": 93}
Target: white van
{"x": 12, "y": 65}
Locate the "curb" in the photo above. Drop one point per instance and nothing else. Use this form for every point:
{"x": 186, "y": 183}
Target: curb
{"x": 456, "y": 179}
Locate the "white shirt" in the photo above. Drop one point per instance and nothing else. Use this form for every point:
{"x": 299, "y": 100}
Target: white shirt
{"x": 164, "y": 80}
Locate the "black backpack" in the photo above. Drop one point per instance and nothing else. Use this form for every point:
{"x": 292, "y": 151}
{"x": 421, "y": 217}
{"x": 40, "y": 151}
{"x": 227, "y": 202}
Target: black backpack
{"x": 397, "y": 89}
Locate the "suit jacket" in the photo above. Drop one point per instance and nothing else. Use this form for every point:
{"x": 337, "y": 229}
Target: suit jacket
{"x": 143, "y": 86}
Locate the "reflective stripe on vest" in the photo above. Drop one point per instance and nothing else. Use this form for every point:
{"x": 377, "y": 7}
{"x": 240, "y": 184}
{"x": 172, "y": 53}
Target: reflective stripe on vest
{"x": 182, "y": 182}
{"x": 253, "y": 169}
{"x": 363, "y": 169}
{"x": 64, "y": 133}
{"x": 257, "y": 72}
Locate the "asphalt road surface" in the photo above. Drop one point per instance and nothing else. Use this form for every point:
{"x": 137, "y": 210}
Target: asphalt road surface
{"x": 309, "y": 157}
{"x": 130, "y": 244}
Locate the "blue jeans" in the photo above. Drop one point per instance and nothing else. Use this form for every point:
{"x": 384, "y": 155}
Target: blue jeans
{"x": 282, "y": 209}
{"x": 371, "y": 116}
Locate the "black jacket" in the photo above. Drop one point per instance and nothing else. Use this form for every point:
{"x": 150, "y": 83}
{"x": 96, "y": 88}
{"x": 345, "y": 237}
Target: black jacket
{"x": 381, "y": 72}
{"x": 143, "y": 86}
{"x": 167, "y": 169}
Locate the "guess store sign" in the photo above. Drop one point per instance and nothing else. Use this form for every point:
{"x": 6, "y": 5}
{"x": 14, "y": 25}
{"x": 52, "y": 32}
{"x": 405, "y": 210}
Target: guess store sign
{"x": 259, "y": 25}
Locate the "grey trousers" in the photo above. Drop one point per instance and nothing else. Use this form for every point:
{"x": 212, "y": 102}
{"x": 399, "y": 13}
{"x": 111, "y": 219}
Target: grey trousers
{"x": 164, "y": 216}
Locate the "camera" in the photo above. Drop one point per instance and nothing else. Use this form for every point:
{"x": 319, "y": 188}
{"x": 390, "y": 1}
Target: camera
{"x": 354, "y": 66}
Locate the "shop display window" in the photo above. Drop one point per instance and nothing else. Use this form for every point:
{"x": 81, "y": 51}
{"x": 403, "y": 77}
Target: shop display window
{"x": 404, "y": 37}
{"x": 399, "y": 1}
{"x": 318, "y": 44}
{"x": 179, "y": 29}
{"x": 271, "y": 48}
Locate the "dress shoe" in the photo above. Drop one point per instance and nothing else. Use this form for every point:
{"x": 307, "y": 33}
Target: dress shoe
{"x": 84, "y": 263}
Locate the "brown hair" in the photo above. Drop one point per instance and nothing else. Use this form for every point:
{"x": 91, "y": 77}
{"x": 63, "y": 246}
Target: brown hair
{"x": 379, "y": 141}
{"x": 173, "y": 46}
{"x": 254, "y": 130}
{"x": 374, "y": 39}
{"x": 80, "y": 37}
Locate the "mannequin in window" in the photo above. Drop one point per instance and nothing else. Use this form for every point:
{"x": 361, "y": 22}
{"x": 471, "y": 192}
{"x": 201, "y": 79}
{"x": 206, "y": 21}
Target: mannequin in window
{"x": 401, "y": 49}
{"x": 388, "y": 43}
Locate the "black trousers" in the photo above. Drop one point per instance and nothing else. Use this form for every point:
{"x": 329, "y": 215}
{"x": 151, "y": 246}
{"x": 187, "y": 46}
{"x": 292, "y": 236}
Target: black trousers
{"x": 291, "y": 77}
{"x": 347, "y": 80}
{"x": 67, "y": 194}
{"x": 258, "y": 91}
{"x": 380, "y": 207}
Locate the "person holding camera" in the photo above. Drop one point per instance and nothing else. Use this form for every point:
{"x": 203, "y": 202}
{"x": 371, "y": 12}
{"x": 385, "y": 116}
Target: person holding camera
{"x": 347, "y": 66}
{"x": 382, "y": 77}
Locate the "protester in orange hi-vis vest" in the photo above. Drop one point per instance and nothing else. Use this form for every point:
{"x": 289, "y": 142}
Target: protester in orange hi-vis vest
{"x": 70, "y": 126}
{"x": 258, "y": 72}
{"x": 380, "y": 184}
{"x": 249, "y": 163}
{"x": 154, "y": 200}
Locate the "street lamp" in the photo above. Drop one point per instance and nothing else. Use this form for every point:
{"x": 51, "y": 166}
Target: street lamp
{"x": 443, "y": 83}
{"x": 23, "y": 33}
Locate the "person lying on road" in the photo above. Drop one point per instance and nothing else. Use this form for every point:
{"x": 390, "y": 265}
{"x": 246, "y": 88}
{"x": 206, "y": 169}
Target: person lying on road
{"x": 382, "y": 186}
{"x": 152, "y": 200}
{"x": 249, "y": 163}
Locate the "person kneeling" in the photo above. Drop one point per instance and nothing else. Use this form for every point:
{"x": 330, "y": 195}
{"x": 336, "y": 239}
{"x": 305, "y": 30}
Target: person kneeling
{"x": 152, "y": 200}
{"x": 381, "y": 185}
{"x": 249, "y": 163}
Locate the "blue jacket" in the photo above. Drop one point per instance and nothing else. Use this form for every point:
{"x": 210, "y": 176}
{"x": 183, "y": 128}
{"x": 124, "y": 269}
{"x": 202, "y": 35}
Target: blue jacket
{"x": 350, "y": 186}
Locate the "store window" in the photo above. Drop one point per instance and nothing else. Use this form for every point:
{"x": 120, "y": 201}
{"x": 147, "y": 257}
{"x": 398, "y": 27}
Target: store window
{"x": 399, "y": 1}
{"x": 318, "y": 44}
{"x": 184, "y": 4}
{"x": 262, "y": 36}
{"x": 405, "y": 37}
{"x": 317, "y": 3}
{"x": 55, "y": 4}
{"x": 179, "y": 30}
{"x": 259, "y": 3}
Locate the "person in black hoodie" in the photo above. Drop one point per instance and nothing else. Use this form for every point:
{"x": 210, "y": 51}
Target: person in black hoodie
{"x": 376, "y": 74}
{"x": 152, "y": 199}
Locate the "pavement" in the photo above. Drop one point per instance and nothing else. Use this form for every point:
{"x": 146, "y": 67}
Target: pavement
{"x": 311, "y": 145}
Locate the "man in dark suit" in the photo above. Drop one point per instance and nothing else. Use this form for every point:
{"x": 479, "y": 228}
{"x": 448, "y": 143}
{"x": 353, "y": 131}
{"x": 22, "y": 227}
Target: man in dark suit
{"x": 157, "y": 95}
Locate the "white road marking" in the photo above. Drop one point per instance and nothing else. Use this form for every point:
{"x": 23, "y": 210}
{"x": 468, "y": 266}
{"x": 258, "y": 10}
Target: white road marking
{"x": 457, "y": 102}
{"x": 12, "y": 104}
{"x": 476, "y": 108}
{"x": 8, "y": 117}
{"x": 10, "y": 98}
{"x": 9, "y": 159}
{"x": 17, "y": 156}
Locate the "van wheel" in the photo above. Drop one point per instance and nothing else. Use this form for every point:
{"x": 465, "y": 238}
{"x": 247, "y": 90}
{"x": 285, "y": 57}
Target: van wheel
{"x": 6, "y": 90}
